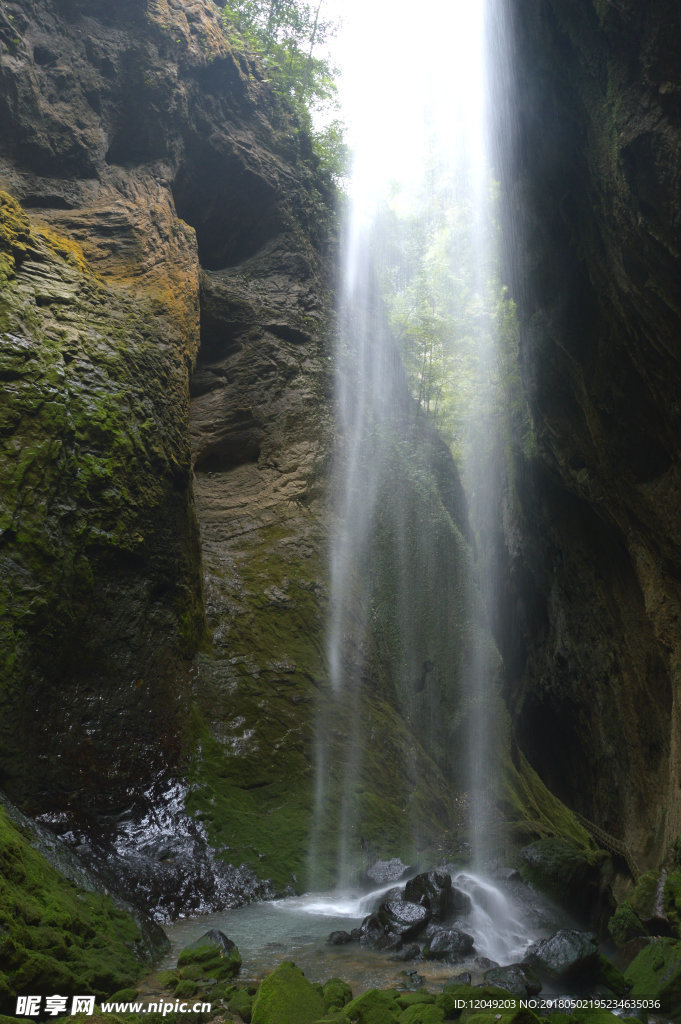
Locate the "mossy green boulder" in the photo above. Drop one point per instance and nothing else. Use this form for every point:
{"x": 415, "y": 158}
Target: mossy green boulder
{"x": 625, "y": 924}
{"x": 336, "y": 994}
{"x": 286, "y": 997}
{"x": 656, "y": 974}
{"x": 374, "y": 1007}
{"x": 407, "y": 999}
{"x": 422, "y": 1013}
{"x": 242, "y": 1003}
{"x": 214, "y": 954}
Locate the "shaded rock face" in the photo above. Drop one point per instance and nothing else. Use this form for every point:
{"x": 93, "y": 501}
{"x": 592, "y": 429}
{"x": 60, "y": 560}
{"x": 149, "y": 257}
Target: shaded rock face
{"x": 138, "y": 146}
{"x": 172, "y": 229}
{"x": 592, "y": 636}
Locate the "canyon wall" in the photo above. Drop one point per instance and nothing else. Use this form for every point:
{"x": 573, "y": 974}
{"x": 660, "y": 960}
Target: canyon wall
{"x": 591, "y": 634}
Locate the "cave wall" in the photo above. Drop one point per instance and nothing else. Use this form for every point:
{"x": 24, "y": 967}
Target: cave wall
{"x": 591, "y": 123}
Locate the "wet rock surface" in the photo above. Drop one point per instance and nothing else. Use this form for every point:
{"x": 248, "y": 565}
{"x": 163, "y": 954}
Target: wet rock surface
{"x": 158, "y": 857}
{"x": 578, "y": 880}
{"x": 434, "y": 891}
{"x": 519, "y": 979}
{"x": 383, "y": 871}
{"x": 447, "y": 944}
{"x": 567, "y": 956}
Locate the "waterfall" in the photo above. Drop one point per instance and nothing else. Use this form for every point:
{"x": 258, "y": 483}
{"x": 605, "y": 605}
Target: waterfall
{"x": 415, "y": 87}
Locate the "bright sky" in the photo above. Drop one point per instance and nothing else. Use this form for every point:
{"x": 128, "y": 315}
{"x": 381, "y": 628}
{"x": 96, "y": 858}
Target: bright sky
{"x": 408, "y": 69}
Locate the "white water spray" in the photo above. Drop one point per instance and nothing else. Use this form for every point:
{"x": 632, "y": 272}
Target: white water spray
{"x": 415, "y": 87}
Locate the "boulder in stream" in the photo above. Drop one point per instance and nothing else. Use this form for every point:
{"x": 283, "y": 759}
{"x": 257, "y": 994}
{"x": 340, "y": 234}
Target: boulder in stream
{"x": 412, "y": 951}
{"x": 568, "y": 955}
{"x": 433, "y": 890}
{"x": 383, "y": 871}
{"x": 518, "y": 979}
{"x": 339, "y": 938}
{"x": 374, "y": 934}
{"x": 403, "y": 918}
{"x": 215, "y": 954}
{"x": 447, "y": 944}
{"x": 464, "y": 978}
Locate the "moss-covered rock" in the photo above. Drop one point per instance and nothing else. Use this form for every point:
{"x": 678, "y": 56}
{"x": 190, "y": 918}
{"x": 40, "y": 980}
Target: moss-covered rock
{"x": 55, "y": 937}
{"x": 625, "y": 924}
{"x": 407, "y": 999}
{"x": 242, "y": 1003}
{"x": 374, "y": 1007}
{"x": 186, "y": 988}
{"x": 610, "y": 976}
{"x": 287, "y": 997}
{"x": 672, "y": 899}
{"x": 643, "y": 897}
{"x": 212, "y": 956}
{"x": 655, "y": 973}
{"x": 336, "y": 993}
{"x": 572, "y": 876}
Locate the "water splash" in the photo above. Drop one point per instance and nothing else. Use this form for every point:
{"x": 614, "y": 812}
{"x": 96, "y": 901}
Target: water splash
{"x": 499, "y": 925}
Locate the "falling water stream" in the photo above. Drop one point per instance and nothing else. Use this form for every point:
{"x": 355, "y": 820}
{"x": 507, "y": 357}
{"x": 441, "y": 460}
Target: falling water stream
{"x": 416, "y": 93}
{"x": 416, "y": 87}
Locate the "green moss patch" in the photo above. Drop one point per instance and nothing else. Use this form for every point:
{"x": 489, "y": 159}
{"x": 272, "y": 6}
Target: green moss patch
{"x": 336, "y": 994}
{"x": 209, "y": 957}
{"x": 55, "y": 937}
{"x": 656, "y": 974}
{"x": 287, "y": 997}
{"x": 374, "y": 1007}
{"x": 625, "y": 924}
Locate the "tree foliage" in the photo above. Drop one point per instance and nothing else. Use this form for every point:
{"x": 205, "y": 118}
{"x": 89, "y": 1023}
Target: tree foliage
{"x": 289, "y": 37}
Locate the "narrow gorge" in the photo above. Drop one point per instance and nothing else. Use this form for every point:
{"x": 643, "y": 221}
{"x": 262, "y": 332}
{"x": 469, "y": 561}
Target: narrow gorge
{"x": 264, "y": 632}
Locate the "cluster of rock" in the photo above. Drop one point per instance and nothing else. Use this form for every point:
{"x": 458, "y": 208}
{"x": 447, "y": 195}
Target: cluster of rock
{"x": 423, "y": 910}
{"x": 424, "y": 920}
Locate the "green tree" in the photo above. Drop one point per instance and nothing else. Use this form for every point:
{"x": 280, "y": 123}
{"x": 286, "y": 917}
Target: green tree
{"x": 287, "y": 36}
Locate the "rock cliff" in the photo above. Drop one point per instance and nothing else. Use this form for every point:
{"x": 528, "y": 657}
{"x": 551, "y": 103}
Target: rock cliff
{"x": 591, "y": 635}
{"x": 162, "y": 234}
{"x": 142, "y": 161}
{"x": 164, "y": 561}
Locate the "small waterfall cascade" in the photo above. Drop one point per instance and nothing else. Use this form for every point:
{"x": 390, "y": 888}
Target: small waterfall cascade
{"x": 417, "y": 264}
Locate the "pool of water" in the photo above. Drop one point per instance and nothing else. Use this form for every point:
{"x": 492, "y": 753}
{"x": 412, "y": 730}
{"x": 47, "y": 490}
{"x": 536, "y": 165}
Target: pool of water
{"x": 504, "y": 921}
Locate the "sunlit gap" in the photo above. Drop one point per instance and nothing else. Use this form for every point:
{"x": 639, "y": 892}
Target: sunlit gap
{"x": 413, "y": 97}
